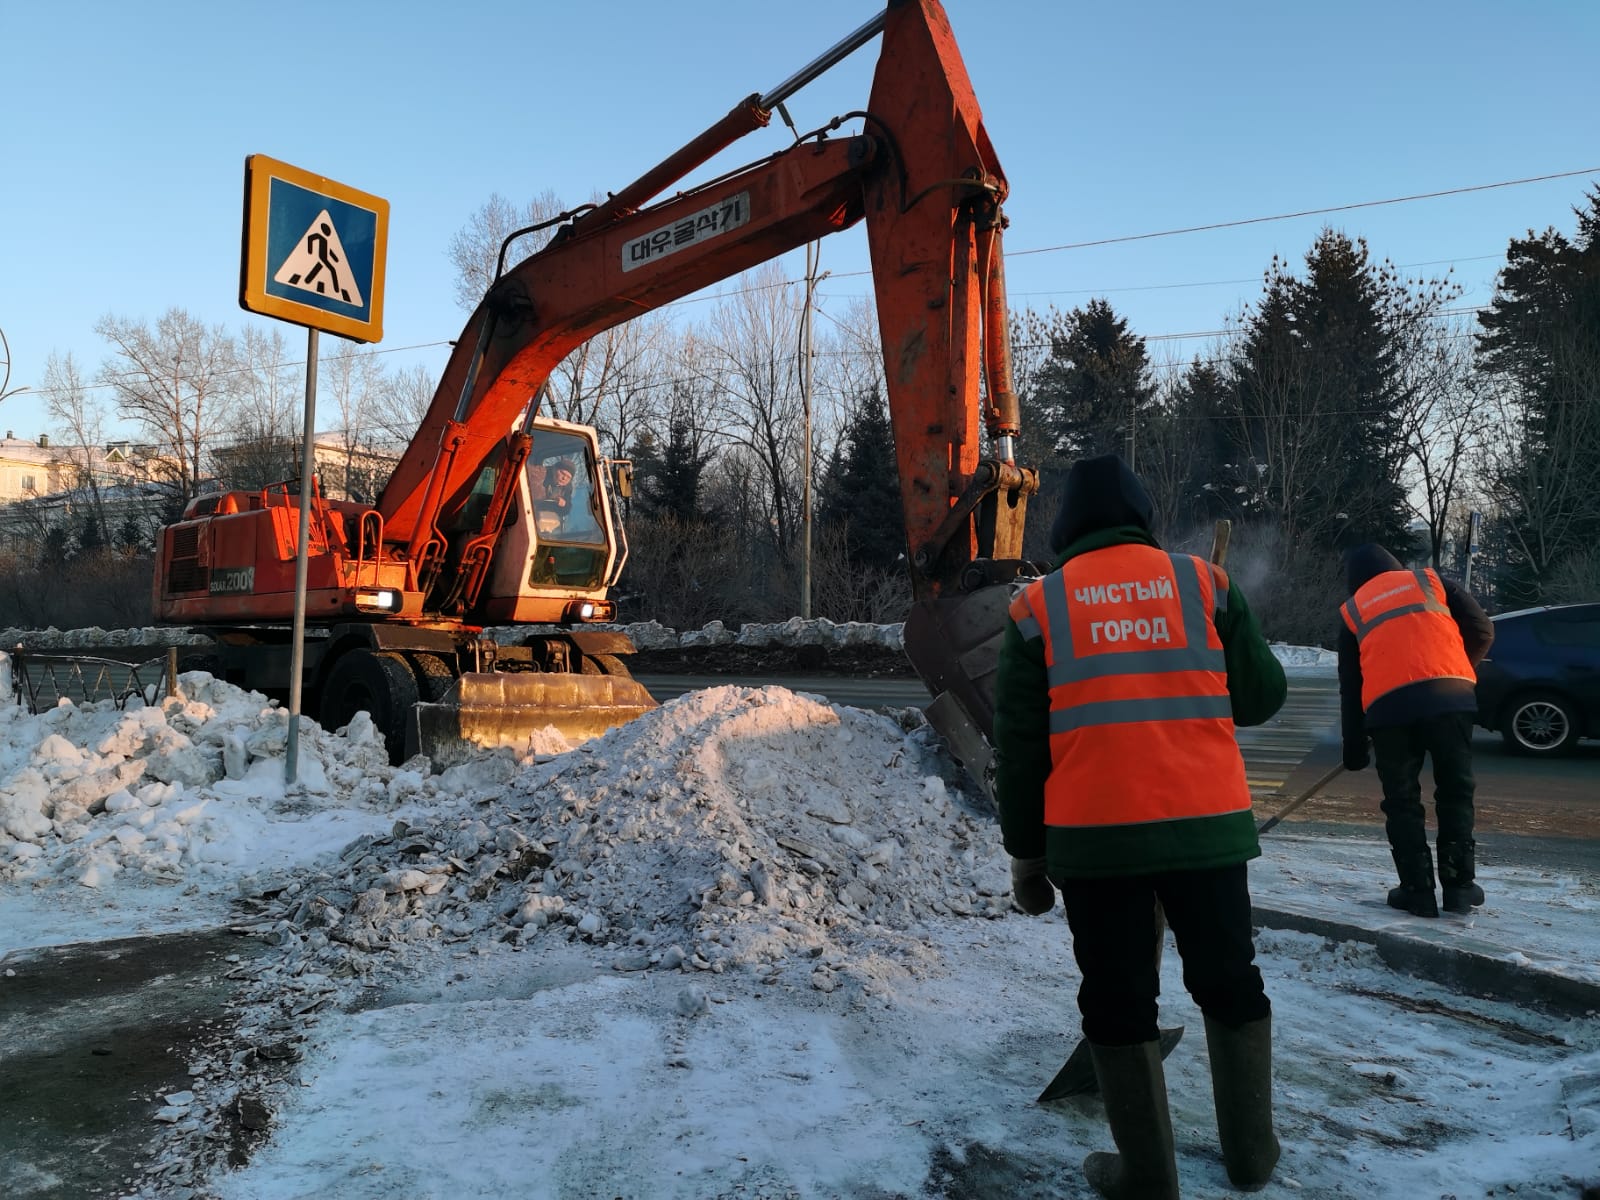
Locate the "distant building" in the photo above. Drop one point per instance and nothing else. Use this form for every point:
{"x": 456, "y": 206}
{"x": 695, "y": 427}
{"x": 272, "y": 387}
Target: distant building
{"x": 345, "y": 470}
{"x": 46, "y": 484}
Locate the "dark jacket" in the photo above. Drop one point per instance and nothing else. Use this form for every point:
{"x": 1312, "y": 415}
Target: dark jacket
{"x": 1415, "y": 701}
{"x": 1109, "y": 493}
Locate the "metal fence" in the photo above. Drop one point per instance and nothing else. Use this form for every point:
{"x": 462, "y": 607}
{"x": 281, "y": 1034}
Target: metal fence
{"x": 41, "y": 681}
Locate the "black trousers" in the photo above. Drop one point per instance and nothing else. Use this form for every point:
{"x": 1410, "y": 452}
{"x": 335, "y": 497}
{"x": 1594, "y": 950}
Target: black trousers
{"x": 1398, "y": 752}
{"x": 1114, "y": 940}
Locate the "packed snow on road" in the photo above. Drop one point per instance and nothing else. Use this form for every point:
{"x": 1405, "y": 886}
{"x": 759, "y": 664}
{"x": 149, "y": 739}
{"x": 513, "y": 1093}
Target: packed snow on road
{"x": 751, "y": 944}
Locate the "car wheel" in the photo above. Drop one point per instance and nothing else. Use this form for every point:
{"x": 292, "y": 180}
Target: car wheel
{"x": 1539, "y": 723}
{"x": 380, "y": 684}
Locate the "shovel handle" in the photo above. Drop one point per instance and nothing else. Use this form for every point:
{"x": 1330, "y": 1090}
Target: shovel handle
{"x": 1311, "y": 791}
{"x": 1219, "y": 541}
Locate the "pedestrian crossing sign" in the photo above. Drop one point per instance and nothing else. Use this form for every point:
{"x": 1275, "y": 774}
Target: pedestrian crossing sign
{"x": 313, "y": 250}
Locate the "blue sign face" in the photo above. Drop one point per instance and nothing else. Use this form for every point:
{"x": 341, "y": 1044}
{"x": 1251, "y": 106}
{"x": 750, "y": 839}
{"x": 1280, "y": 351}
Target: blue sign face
{"x": 320, "y": 251}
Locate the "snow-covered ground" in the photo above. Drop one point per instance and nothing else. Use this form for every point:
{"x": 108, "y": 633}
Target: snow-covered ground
{"x": 751, "y": 944}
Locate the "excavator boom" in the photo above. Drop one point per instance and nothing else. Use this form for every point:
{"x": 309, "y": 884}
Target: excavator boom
{"x": 924, "y": 177}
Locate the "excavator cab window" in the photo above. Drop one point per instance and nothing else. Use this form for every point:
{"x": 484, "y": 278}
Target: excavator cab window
{"x": 571, "y": 535}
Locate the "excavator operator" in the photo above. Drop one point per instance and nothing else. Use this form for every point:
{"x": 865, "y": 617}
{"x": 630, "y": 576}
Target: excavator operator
{"x": 1122, "y": 675}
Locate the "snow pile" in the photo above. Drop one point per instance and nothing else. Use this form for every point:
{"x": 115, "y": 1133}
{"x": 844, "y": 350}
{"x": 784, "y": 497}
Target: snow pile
{"x": 57, "y": 639}
{"x": 733, "y": 833}
{"x": 730, "y": 828}
{"x": 1306, "y": 660}
{"x": 187, "y": 787}
{"x": 796, "y": 631}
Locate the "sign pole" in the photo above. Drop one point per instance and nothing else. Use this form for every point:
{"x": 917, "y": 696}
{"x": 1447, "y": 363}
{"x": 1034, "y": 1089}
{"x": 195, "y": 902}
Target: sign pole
{"x": 297, "y": 656}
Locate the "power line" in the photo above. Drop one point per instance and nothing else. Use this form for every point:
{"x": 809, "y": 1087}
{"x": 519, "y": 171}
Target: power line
{"x": 1308, "y": 212}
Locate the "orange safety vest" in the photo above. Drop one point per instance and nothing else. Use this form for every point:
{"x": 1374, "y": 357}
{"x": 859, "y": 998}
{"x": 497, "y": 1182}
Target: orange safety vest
{"x": 1141, "y": 723}
{"x": 1403, "y": 625}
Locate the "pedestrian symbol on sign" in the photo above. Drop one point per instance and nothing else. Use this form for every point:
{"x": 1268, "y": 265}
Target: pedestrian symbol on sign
{"x": 317, "y": 264}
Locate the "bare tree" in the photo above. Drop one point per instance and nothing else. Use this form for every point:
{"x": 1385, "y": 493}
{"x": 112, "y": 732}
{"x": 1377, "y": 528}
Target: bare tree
{"x": 350, "y": 382}
{"x": 70, "y": 405}
{"x": 752, "y": 344}
{"x": 175, "y": 382}
{"x": 1443, "y": 423}
{"x": 614, "y": 380}
{"x": 1538, "y": 467}
{"x": 268, "y": 393}
{"x": 475, "y": 249}
{"x": 399, "y": 404}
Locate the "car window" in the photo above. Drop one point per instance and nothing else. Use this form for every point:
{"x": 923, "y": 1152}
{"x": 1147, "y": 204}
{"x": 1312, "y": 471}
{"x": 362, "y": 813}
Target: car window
{"x": 1569, "y": 629}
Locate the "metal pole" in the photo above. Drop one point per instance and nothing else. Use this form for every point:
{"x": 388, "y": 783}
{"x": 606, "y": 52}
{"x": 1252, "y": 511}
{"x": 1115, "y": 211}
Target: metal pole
{"x": 297, "y": 658}
{"x": 805, "y": 482}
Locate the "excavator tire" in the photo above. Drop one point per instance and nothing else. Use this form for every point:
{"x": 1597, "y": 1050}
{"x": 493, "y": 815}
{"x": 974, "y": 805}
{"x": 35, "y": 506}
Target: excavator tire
{"x": 376, "y": 682}
{"x": 490, "y": 709}
{"x": 434, "y": 675}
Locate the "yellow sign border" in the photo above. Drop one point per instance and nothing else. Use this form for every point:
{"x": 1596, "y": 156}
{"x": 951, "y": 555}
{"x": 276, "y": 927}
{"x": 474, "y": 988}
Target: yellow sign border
{"x": 259, "y": 172}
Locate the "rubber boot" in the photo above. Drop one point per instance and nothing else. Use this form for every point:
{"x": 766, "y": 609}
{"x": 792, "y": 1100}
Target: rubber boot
{"x": 1135, "y": 1091}
{"x": 1456, "y": 874}
{"x": 1241, "y": 1085}
{"x": 1415, "y": 893}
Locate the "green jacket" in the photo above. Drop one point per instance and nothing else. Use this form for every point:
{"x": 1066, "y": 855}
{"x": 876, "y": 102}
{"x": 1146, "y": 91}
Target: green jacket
{"x": 1256, "y": 687}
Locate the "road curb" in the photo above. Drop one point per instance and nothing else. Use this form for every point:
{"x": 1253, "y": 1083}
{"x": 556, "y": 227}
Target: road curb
{"x": 1460, "y": 962}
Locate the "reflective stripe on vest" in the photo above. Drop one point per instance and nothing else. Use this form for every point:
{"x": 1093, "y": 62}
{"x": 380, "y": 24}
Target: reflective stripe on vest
{"x": 1141, "y": 723}
{"x": 1402, "y": 624}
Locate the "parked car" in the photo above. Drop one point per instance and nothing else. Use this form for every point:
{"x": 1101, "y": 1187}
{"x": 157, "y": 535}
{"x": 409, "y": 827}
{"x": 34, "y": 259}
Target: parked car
{"x": 1540, "y": 684}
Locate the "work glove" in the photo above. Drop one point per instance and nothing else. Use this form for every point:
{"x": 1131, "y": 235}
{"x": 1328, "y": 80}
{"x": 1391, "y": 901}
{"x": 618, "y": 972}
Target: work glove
{"x": 1356, "y": 756}
{"x": 1031, "y": 887}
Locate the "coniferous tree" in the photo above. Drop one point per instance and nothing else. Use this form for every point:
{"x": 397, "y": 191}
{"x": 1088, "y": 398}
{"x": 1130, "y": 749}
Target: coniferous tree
{"x": 669, "y": 477}
{"x": 1096, "y": 384}
{"x": 1320, "y": 395}
{"x": 1199, "y": 407}
{"x": 1541, "y": 344}
{"x": 91, "y": 538}
{"x": 860, "y": 494}
{"x": 131, "y": 536}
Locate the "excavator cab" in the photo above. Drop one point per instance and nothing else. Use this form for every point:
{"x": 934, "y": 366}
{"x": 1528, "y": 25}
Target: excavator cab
{"x": 563, "y": 544}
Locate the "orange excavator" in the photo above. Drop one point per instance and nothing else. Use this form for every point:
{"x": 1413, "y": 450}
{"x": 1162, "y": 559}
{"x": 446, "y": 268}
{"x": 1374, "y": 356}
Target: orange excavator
{"x": 465, "y": 536}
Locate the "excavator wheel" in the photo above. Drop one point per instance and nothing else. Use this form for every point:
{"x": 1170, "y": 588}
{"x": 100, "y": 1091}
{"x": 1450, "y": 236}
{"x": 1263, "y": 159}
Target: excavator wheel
{"x": 379, "y": 683}
{"x": 603, "y": 664}
{"x": 434, "y": 675}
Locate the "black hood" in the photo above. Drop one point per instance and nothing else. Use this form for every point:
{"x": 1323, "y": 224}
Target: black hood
{"x": 1101, "y": 493}
{"x": 1363, "y": 562}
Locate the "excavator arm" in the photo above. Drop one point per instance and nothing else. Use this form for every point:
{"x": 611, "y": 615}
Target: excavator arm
{"x": 924, "y": 178}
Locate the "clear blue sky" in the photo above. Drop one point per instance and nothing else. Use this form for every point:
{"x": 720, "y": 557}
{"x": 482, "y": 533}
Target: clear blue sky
{"x": 125, "y": 129}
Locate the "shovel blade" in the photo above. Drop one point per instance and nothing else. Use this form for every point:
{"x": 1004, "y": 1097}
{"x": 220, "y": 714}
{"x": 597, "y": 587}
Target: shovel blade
{"x": 1077, "y": 1078}
{"x": 490, "y": 709}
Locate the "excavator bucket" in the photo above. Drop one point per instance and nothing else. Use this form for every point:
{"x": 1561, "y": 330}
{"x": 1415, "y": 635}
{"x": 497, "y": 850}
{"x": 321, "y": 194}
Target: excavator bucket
{"x": 954, "y": 647}
{"x": 485, "y": 710}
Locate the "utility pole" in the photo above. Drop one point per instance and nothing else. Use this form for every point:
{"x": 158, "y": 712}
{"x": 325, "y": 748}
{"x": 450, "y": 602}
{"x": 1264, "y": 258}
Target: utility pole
{"x": 805, "y": 458}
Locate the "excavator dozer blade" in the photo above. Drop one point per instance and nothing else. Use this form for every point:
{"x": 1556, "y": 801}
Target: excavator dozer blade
{"x": 954, "y": 647}
{"x": 485, "y": 710}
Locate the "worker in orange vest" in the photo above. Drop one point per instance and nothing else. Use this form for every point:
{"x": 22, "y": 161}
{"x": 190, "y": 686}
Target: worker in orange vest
{"x": 1409, "y": 645}
{"x": 1122, "y": 675}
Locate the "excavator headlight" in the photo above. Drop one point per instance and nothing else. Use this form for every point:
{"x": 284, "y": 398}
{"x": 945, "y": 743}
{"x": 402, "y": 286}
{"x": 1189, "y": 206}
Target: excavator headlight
{"x": 386, "y": 600}
{"x": 589, "y": 610}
